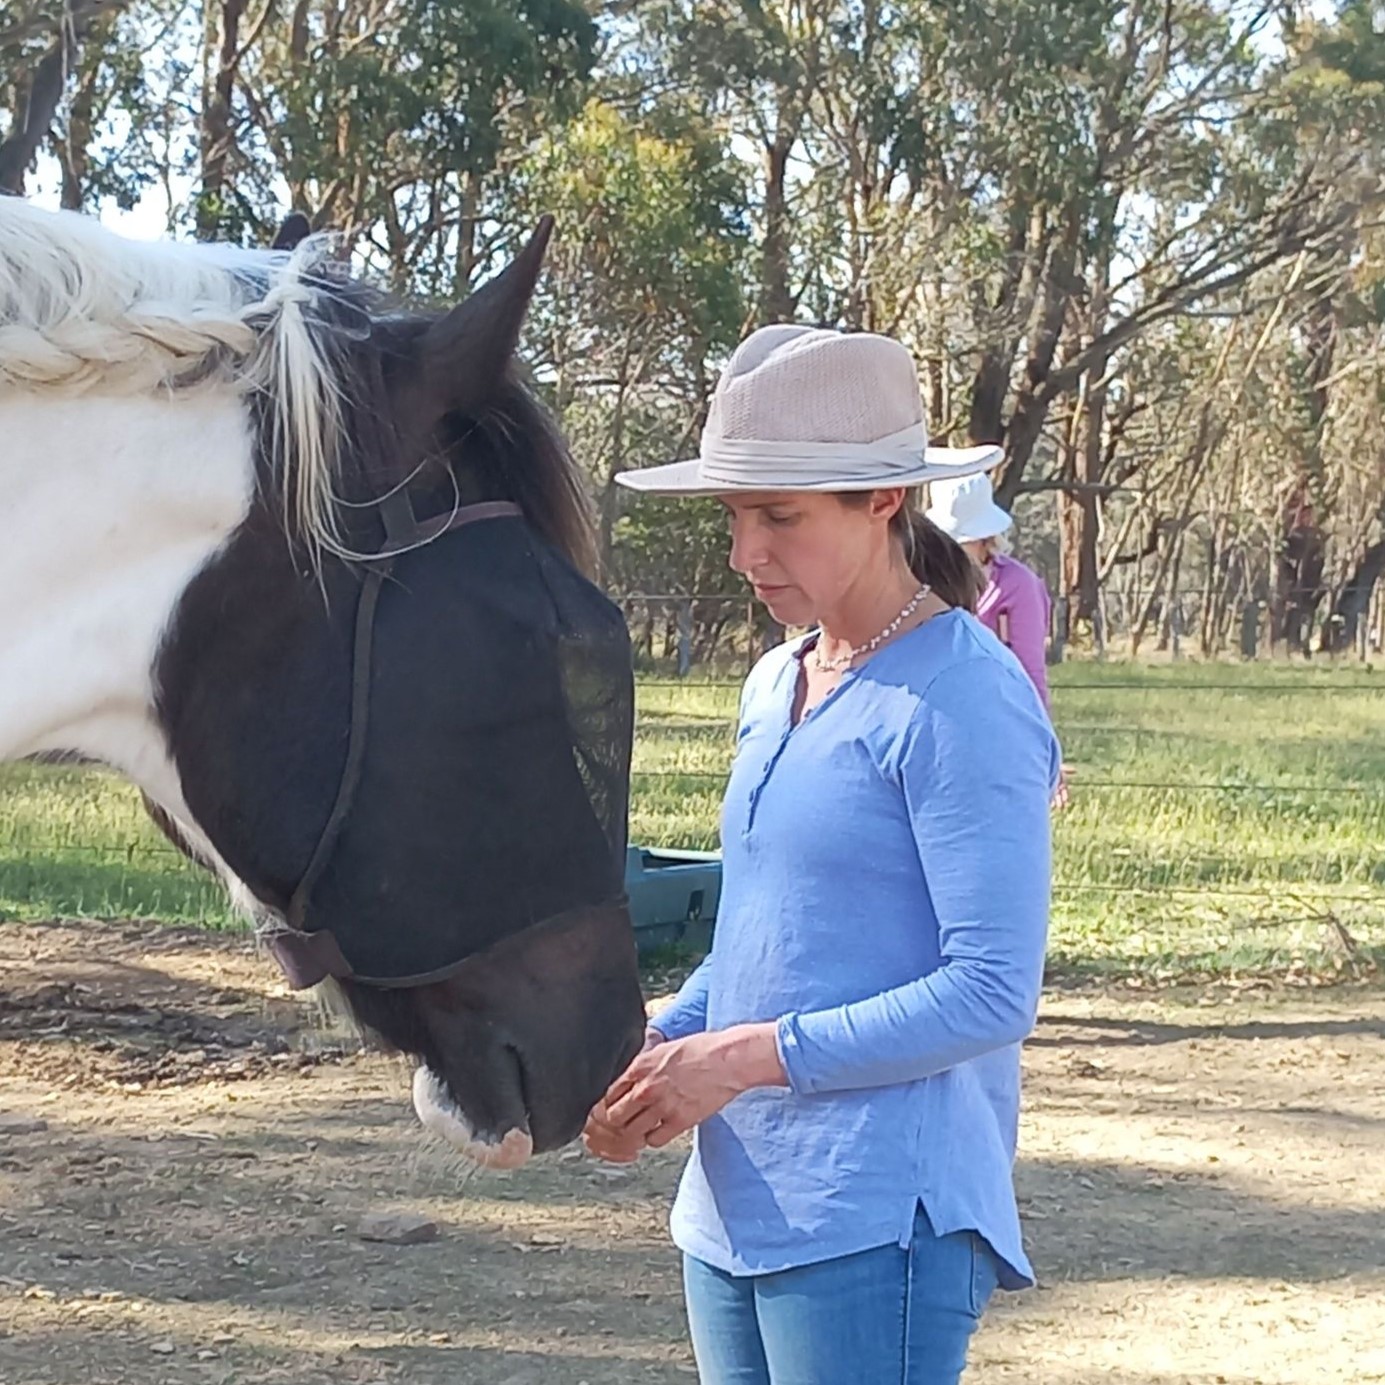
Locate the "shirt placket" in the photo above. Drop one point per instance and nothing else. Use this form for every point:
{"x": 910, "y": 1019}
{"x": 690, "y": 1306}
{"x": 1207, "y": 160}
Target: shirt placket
{"x": 788, "y": 732}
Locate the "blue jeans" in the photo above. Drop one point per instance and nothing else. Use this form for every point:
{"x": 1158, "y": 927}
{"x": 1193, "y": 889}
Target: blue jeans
{"x": 882, "y": 1317}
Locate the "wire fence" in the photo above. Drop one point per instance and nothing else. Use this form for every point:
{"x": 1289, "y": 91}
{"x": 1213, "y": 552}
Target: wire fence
{"x": 1251, "y": 689}
{"x": 1217, "y": 810}
{"x": 1085, "y": 784}
{"x": 1260, "y": 817}
{"x": 692, "y": 629}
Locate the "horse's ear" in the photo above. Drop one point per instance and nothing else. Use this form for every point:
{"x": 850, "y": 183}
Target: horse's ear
{"x": 462, "y": 357}
{"x": 295, "y": 227}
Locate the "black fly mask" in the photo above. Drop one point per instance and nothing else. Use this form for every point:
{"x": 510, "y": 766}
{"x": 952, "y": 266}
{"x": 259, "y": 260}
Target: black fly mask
{"x": 520, "y": 670}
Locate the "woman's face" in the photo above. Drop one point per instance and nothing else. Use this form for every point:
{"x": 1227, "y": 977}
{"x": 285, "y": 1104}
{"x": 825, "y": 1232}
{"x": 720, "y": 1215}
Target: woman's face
{"x": 803, "y": 551}
{"x": 980, "y": 551}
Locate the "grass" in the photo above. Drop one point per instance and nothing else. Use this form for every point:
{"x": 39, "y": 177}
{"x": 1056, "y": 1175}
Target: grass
{"x": 75, "y": 842}
{"x": 1225, "y": 820}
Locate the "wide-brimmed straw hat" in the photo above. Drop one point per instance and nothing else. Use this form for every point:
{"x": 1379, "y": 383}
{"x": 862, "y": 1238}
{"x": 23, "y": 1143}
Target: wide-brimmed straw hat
{"x": 965, "y": 508}
{"x": 803, "y": 408}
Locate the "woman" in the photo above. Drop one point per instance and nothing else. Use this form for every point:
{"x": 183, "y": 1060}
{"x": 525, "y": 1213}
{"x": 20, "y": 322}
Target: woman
{"x": 1014, "y": 602}
{"x": 849, "y": 1051}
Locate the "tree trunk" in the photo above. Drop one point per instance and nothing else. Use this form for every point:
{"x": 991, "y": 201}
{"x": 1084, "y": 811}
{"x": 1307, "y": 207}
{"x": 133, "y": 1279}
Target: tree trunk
{"x": 1171, "y": 624}
{"x": 1354, "y": 603}
{"x": 608, "y": 504}
{"x": 939, "y": 383}
{"x": 1154, "y": 602}
{"x": 1031, "y": 408}
{"x": 1091, "y": 455}
{"x": 74, "y": 151}
{"x": 1225, "y": 583}
{"x": 1299, "y": 569}
{"x": 468, "y": 217}
{"x": 1000, "y": 322}
{"x": 1303, "y": 540}
{"x": 1069, "y": 528}
{"x": 38, "y": 107}
{"x": 776, "y": 300}
{"x": 217, "y": 136}
{"x": 988, "y": 391}
{"x": 1086, "y": 503}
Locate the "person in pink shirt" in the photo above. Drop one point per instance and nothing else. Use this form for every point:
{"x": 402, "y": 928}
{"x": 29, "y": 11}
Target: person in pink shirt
{"x": 1014, "y": 604}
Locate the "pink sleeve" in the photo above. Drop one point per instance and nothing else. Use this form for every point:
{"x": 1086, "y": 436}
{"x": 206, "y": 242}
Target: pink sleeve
{"x": 1028, "y": 607}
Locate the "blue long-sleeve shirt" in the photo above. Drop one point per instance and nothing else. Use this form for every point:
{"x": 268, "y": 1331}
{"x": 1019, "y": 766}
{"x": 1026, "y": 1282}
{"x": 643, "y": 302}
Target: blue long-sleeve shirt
{"x": 885, "y": 900}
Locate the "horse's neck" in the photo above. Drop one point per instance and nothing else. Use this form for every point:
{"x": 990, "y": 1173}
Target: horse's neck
{"x": 110, "y": 506}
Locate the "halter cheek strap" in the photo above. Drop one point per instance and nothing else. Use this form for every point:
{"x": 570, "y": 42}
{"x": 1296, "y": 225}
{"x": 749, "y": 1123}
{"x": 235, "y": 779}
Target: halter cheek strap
{"x": 309, "y": 957}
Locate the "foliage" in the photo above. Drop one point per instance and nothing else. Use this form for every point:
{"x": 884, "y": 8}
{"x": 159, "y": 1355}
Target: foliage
{"x": 1139, "y": 243}
{"x": 644, "y": 289}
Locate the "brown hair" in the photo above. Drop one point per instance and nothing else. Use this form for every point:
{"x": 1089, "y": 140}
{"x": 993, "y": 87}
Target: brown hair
{"x": 935, "y": 558}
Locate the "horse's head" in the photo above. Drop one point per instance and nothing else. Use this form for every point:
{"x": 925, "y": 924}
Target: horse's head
{"x": 414, "y": 768}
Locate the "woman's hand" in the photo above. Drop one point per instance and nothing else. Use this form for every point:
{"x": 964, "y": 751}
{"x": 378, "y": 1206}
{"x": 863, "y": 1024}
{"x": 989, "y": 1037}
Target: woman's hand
{"x": 605, "y": 1140}
{"x": 1060, "y": 794}
{"x": 674, "y": 1086}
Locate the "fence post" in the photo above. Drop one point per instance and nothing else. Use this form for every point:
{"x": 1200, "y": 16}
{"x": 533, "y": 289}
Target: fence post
{"x": 685, "y": 623}
{"x": 1058, "y": 630}
{"x": 1250, "y": 630}
{"x": 1176, "y": 630}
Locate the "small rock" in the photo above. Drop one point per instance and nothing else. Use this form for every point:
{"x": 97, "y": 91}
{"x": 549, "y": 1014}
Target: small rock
{"x": 207, "y": 1354}
{"x": 163, "y": 1348}
{"x": 397, "y": 1228}
{"x": 20, "y": 1125}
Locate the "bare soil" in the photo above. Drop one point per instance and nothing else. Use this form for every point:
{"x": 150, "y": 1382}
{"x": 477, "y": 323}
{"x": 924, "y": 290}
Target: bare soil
{"x": 186, "y": 1155}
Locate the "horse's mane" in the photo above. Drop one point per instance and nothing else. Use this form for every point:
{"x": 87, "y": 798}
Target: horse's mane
{"x": 85, "y": 310}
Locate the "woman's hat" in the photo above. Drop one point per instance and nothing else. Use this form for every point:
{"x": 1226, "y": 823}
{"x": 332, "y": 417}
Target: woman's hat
{"x": 807, "y": 409}
{"x": 965, "y": 508}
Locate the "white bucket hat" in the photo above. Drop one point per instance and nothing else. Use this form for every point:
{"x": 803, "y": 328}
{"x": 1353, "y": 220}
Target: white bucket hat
{"x": 807, "y": 409}
{"x": 965, "y": 509}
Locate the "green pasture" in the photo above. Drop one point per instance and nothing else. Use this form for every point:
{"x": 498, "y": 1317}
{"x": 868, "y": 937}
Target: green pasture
{"x": 1224, "y": 819}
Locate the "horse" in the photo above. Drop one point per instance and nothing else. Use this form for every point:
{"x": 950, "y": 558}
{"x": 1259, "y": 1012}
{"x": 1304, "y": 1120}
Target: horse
{"x": 311, "y": 567}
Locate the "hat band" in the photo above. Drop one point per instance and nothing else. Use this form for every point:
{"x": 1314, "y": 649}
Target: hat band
{"x": 798, "y": 465}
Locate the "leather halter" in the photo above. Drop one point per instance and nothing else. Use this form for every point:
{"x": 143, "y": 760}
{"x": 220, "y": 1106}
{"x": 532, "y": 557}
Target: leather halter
{"x": 309, "y": 957}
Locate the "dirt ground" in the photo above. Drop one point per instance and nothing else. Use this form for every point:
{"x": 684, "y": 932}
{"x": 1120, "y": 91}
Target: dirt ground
{"x": 186, "y": 1155}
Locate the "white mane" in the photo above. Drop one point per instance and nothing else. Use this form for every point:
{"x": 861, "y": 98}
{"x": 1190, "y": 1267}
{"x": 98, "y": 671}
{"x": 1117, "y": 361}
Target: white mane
{"x": 83, "y": 310}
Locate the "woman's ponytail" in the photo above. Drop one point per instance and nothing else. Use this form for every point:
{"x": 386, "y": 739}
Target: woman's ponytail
{"x": 937, "y": 559}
